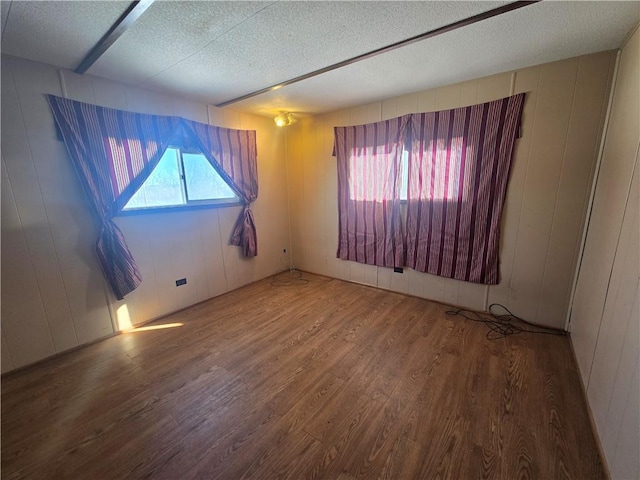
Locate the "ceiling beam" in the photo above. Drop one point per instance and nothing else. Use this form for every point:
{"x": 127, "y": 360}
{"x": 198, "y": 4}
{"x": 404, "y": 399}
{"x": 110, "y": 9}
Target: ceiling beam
{"x": 402, "y": 43}
{"x": 126, "y": 20}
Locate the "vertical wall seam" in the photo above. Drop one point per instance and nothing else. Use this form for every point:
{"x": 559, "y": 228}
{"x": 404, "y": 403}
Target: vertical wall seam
{"x": 208, "y": 274}
{"x": 617, "y": 294}
{"x": 592, "y": 194}
{"x": 615, "y": 256}
{"x": 46, "y": 215}
{"x": 555, "y": 202}
{"x": 585, "y": 196}
{"x": 626, "y": 406}
{"x": 615, "y": 382}
{"x": 526, "y": 175}
{"x": 286, "y": 173}
{"x": 33, "y": 270}
{"x": 224, "y": 263}
{"x": 13, "y": 361}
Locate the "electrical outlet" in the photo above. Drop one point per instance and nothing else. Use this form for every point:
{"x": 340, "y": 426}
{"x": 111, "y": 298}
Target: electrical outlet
{"x": 182, "y": 281}
{"x": 398, "y": 269}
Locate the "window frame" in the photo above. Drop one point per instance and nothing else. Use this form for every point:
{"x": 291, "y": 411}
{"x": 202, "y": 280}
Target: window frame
{"x": 190, "y": 204}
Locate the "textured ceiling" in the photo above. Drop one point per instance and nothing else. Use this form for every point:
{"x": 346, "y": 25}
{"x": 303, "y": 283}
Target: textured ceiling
{"x": 215, "y": 51}
{"x": 58, "y": 33}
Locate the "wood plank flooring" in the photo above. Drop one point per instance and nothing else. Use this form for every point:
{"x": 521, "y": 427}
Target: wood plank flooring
{"x": 326, "y": 380}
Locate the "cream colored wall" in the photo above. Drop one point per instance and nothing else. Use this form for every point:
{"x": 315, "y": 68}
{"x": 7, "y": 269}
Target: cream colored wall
{"x": 53, "y": 293}
{"x": 605, "y": 316}
{"x": 546, "y": 198}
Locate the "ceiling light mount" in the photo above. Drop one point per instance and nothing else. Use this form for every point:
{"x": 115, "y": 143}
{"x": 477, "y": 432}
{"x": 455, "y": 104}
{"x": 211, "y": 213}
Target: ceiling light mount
{"x": 284, "y": 119}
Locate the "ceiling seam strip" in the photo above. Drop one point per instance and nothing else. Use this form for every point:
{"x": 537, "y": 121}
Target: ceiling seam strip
{"x": 6, "y": 20}
{"x": 126, "y": 20}
{"x": 402, "y": 43}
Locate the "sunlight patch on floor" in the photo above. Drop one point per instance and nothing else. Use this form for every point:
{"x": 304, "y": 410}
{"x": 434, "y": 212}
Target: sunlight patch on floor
{"x": 153, "y": 327}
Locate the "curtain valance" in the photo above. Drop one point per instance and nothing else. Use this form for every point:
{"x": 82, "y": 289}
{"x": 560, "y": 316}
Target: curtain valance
{"x": 115, "y": 151}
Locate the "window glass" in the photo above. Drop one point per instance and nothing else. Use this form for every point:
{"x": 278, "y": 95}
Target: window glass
{"x": 163, "y": 187}
{"x": 202, "y": 180}
{"x": 181, "y": 179}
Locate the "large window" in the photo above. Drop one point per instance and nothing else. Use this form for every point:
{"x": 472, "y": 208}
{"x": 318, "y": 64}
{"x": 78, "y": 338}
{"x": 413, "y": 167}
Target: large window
{"x": 181, "y": 178}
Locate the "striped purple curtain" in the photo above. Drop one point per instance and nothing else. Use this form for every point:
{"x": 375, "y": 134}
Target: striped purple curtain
{"x": 369, "y": 175}
{"x": 459, "y": 166}
{"x": 115, "y": 151}
{"x": 233, "y": 154}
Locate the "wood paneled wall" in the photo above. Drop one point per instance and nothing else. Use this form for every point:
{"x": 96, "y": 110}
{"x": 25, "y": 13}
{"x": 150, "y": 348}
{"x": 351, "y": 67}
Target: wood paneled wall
{"x": 605, "y": 318}
{"x": 546, "y": 198}
{"x": 53, "y": 293}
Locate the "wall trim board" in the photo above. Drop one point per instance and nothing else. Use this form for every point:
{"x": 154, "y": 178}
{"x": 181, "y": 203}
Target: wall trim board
{"x": 592, "y": 192}
{"x": 56, "y": 356}
{"x": 439, "y": 302}
{"x": 592, "y": 421}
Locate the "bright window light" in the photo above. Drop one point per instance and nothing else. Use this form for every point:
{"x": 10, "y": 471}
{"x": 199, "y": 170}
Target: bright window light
{"x": 181, "y": 179}
{"x": 203, "y": 182}
{"x": 405, "y": 175}
{"x": 153, "y": 327}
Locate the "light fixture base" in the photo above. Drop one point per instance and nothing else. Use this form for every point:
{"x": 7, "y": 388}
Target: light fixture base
{"x": 284, "y": 119}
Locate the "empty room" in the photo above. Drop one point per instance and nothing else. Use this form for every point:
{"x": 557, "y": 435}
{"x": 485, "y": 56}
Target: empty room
{"x": 320, "y": 240}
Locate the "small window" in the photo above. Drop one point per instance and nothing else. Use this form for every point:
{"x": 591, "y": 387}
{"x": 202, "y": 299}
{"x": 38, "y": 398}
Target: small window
{"x": 181, "y": 179}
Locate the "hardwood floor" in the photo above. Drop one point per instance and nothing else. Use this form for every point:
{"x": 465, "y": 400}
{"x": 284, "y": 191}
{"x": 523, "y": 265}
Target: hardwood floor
{"x": 322, "y": 380}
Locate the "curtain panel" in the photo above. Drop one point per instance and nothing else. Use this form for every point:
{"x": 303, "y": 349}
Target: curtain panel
{"x": 369, "y": 175}
{"x": 459, "y": 165}
{"x": 233, "y": 154}
{"x": 457, "y": 169}
{"x": 115, "y": 151}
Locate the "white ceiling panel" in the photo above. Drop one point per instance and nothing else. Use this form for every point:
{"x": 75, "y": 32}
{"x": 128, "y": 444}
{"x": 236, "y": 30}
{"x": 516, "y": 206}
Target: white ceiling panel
{"x": 59, "y": 33}
{"x": 214, "y": 51}
{"x": 536, "y": 34}
{"x": 168, "y": 33}
{"x": 288, "y": 39}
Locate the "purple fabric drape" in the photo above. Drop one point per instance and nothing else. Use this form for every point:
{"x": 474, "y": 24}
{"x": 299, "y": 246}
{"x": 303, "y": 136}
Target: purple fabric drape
{"x": 233, "y": 154}
{"x": 115, "y": 151}
{"x": 369, "y": 174}
{"x": 458, "y": 168}
{"x": 458, "y": 171}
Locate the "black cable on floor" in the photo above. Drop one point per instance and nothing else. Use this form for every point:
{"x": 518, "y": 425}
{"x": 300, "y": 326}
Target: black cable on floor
{"x": 288, "y": 278}
{"x": 503, "y": 324}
